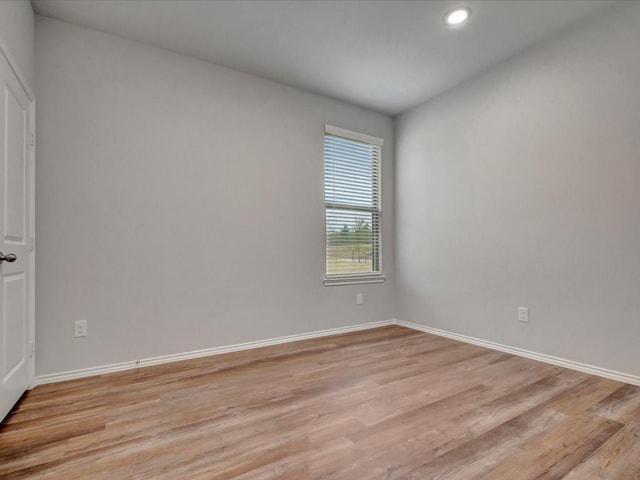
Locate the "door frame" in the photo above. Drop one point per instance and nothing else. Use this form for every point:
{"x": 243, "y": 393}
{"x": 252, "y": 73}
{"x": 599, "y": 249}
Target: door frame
{"x": 31, "y": 300}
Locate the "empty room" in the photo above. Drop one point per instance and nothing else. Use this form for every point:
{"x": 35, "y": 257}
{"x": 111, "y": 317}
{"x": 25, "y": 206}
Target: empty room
{"x": 321, "y": 239}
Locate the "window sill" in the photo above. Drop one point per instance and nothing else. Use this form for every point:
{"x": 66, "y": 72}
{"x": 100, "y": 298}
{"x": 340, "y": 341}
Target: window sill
{"x": 353, "y": 280}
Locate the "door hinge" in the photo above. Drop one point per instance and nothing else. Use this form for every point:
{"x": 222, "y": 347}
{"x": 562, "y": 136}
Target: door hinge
{"x": 32, "y": 140}
{"x": 32, "y": 349}
{"x": 32, "y": 244}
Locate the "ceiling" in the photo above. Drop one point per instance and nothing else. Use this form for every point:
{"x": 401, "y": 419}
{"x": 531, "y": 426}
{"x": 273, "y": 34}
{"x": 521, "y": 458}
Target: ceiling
{"x": 384, "y": 55}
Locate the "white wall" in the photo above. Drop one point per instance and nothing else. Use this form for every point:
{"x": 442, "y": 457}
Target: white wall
{"x": 180, "y": 204}
{"x": 18, "y": 32}
{"x": 521, "y": 187}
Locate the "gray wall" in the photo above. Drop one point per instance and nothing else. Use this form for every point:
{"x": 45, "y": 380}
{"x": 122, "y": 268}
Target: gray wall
{"x": 180, "y": 204}
{"x": 17, "y": 31}
{"x": 522, "y": 188}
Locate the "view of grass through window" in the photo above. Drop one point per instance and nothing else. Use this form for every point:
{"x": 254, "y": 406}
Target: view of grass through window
{"x": 349, "y": 242}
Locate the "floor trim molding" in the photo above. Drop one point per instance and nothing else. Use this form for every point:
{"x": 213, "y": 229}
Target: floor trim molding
{"x": 146, "y": 362}
{"x": 118, "y": 367}
{"x": 560, "y": 362}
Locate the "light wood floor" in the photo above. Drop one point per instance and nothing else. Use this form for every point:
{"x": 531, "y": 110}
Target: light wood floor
{"x": 389, "y": 403}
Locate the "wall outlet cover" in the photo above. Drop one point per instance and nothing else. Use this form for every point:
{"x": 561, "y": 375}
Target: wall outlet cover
{"x": 80, "y": 328}
{"x": 523, "y": 314}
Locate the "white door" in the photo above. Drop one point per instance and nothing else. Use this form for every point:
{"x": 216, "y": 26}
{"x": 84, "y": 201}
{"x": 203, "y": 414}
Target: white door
{"x": 15, "y": 226}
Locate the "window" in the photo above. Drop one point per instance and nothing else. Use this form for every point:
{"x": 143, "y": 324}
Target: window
{"x": 352, "y": 206}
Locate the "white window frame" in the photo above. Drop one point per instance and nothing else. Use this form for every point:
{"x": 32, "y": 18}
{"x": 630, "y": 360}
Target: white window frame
{"x": 355, "y": 278}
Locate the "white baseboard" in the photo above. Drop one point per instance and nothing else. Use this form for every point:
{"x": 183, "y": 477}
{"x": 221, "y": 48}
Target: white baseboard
{"x": 118, "y": 367}
{"x": 561, "y": 362}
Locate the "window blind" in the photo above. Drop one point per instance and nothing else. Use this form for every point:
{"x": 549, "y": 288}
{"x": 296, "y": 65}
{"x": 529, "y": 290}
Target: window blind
{"x": 352, "y": 203}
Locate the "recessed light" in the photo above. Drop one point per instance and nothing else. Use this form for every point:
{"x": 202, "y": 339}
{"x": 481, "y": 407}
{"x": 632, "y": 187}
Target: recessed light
{"x": 457, "y": 16}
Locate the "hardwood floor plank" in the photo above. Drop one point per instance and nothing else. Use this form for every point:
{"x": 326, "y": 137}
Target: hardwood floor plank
{"x": 619, "y": 457}
{"x": 473, "y": 458}
{"x": 621, "y": 403}
{"x": 538, "y": 459}
{"x": 387, "y": 403}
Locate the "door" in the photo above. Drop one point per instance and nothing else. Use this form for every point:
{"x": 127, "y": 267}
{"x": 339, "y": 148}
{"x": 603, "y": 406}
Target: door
{"x": 15, "y": 238}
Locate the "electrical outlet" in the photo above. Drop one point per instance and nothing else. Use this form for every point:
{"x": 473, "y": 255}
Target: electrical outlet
{"x": 80, "y": 328}
{"x": 523, "y": 314}
{"x": 359, "y": 299}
